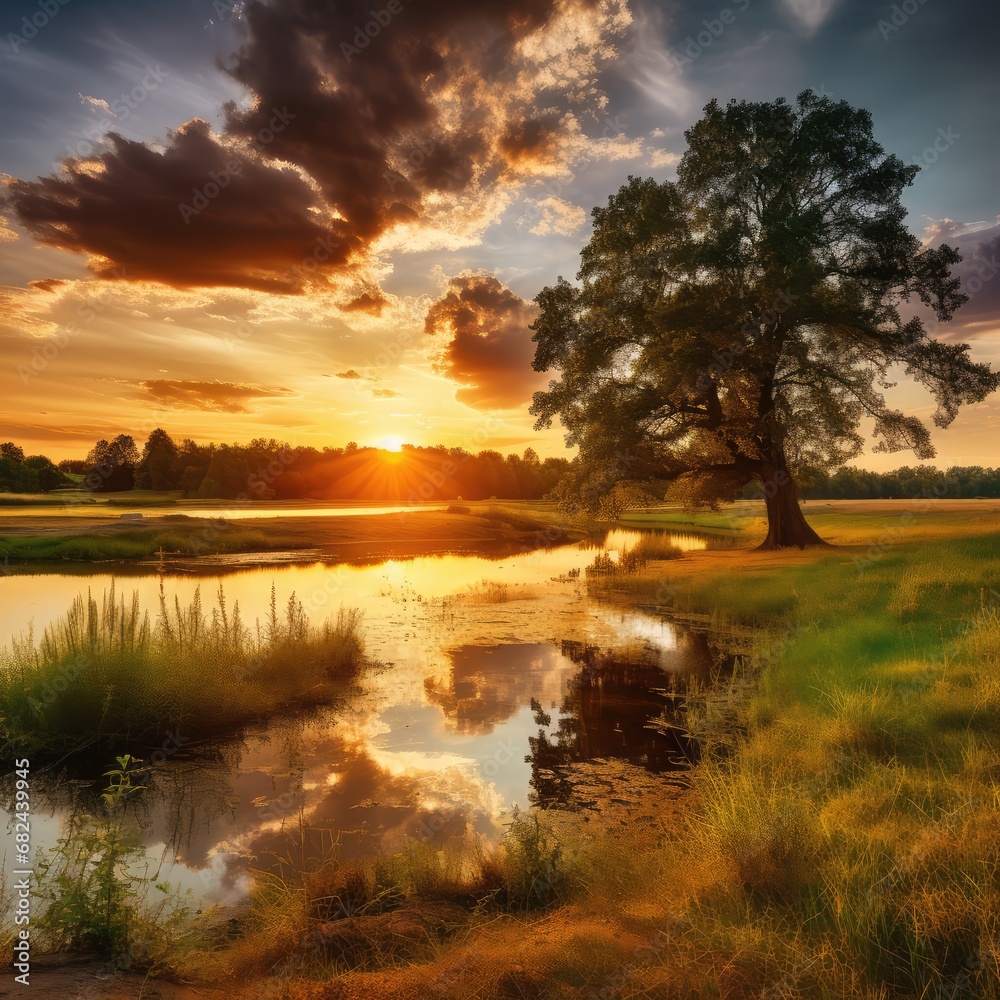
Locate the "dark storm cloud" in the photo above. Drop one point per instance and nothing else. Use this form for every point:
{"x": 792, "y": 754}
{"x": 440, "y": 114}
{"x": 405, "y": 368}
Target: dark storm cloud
{"x": 979, "y": 270}
{"x": 195, "y": 213}
{"x": 980, "y": 273}
{"x": 529, "y": 143}
{"x": 490, "y": 350}
{"x": 344, "y": 123}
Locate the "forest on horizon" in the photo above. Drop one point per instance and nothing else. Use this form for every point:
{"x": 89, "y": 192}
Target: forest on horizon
{"x": 267, "y": 469}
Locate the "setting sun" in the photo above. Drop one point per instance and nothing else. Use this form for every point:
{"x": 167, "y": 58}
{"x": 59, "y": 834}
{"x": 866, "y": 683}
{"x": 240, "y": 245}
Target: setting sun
{"x": 391, "y": 443}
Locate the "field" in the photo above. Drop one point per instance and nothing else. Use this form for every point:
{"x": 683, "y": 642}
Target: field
{"x": 838, "y": 841}
{"x": 838, "y": 838}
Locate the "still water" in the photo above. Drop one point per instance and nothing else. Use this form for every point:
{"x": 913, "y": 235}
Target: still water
{"x": 435, "y": 742}
{"x": 231, "y": 510}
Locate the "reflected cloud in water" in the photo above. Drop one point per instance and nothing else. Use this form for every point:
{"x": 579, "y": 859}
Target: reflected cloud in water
{"x": 443, "y": 739}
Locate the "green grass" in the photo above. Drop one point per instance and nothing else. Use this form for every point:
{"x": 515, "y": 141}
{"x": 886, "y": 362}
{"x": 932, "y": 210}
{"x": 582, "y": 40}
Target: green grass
{"x": 840, "y": 838}
{"x": 857, "y": 810}
{"x": 142, "y": 543}
{"x": 95, "y": 538}
{"x": 107, "y": 675}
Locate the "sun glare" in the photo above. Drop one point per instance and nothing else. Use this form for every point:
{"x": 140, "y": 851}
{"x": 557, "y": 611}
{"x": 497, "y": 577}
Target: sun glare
{"x": 391, "y": 443}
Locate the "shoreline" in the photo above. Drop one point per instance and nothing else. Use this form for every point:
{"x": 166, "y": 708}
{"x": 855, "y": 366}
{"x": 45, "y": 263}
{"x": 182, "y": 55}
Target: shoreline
{"x": 28, "y": 542}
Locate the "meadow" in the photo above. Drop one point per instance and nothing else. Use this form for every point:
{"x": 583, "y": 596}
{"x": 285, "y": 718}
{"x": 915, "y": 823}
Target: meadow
{"x": 89, "y": 535}
{"x": 837, "y": 839}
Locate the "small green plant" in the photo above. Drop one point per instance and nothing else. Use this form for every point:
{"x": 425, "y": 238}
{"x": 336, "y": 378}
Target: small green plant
{"x": 96, "y": 885}
{"x": 531, "y": 862}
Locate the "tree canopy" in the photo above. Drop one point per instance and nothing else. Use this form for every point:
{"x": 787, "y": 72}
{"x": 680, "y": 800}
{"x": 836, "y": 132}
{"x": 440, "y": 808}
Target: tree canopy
{"x": 739, "y": 323}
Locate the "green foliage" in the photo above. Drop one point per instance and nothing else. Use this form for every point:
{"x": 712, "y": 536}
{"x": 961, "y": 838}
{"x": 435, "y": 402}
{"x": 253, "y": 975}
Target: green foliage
{"x": 27, "y": 474}
{"x": 95, "y": 885}
{"x": 737, "y": 324}
{"x": 112, "y": 464}
{"x": 106, "y": 674}
{"x": 188, "y": 538}
{"x": 531, "y": 862}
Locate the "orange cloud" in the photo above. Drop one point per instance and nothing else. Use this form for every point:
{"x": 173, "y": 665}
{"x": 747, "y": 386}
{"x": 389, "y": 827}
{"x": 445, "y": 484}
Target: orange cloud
{"x": 347, "y": 138}
{"x": 223, "y": 397}
{"x": 490, "y": 350}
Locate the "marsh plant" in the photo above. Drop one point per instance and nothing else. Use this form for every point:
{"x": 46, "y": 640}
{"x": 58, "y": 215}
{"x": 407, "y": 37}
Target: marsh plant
{"x": 323, "y": 913}
{"x": 652, "y": 547}
{"x": 106, "y": 674}
{"x": 100, "y": 894}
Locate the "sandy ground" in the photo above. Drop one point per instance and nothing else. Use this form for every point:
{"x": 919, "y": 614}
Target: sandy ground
{"x": 95, "y": 981}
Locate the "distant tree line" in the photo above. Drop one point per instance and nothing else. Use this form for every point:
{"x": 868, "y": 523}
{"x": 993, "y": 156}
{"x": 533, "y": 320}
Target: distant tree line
{"x": 910, "y": 482}
{"x": 266, "y": 469}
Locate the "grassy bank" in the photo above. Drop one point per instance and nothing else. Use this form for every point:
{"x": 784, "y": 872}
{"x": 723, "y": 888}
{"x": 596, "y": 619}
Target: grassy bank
{"x": 843, "y": 846}
{"x": 123, "y": 544}
{"x": 84, "y": 537}
{"x": 107, "y": 675}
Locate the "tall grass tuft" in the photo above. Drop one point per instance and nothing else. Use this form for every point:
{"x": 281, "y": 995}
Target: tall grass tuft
{"x": 652, "y": 547}
{"x": 106, "y": 674}
{"x": 323, "y": 915}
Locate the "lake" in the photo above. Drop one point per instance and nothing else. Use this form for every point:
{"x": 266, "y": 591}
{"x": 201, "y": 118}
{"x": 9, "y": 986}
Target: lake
{"x": 480, "y": 663}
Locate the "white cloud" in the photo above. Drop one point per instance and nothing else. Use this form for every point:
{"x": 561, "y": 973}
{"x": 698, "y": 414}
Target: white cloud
{"x": 558, "y": 216}
{"x": 96, "y": 102}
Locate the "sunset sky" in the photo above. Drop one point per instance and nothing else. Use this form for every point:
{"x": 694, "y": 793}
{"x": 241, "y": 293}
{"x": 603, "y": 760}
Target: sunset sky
{"x": 298, "y": 219}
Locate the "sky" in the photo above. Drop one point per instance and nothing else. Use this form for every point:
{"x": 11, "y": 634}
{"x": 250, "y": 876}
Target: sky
{"x": 324, "y": 222}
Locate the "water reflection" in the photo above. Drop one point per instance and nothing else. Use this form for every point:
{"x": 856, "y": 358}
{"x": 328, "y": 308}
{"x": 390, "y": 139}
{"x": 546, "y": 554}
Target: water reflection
{"x": 445, "y": 736}
{"x": 487, "y": 685}
{"x": 607, "y": 711}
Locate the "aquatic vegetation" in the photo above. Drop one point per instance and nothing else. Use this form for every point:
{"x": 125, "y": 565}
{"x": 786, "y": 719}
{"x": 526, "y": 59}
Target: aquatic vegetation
{"x": 99, "y": 895}
{"x": 651, "y": 547}
{"x": 107, "y": 675}
{"x": 325, "y": 915}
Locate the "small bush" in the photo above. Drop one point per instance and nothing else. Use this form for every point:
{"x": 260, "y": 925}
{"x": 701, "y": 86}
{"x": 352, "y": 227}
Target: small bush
{"x": 96, "y": 888}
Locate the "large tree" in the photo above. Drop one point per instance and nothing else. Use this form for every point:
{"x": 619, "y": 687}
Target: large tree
{"x": 739, "y": 323}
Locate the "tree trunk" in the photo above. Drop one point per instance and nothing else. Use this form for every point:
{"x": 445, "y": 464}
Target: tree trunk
{"x": 786, "y": 527}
